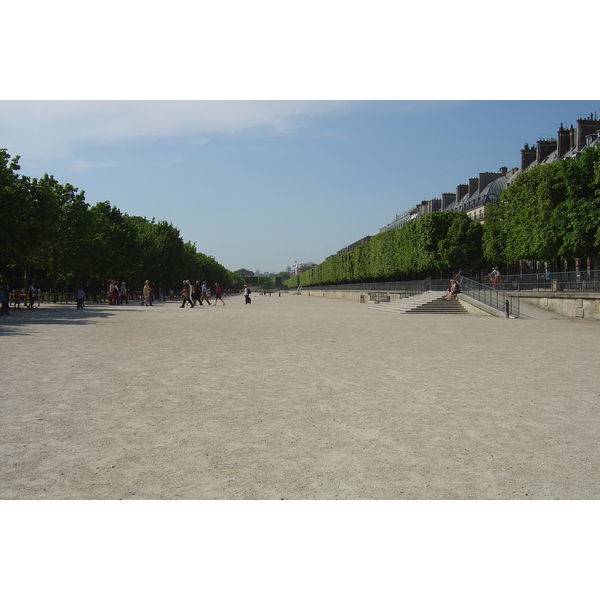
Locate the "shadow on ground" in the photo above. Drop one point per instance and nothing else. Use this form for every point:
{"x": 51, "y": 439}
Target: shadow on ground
{"x": 56, "y": 314}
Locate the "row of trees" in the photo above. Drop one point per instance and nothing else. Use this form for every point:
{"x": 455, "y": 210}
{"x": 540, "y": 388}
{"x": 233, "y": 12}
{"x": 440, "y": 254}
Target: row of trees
{"x": 49, "y": 232}
{"x": 435, "y": 243}
{"x": 550, "y": 213}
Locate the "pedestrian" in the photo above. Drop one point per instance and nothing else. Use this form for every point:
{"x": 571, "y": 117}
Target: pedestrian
{"x": 247, "y": 292}
{"x": 113, "y": 293}
{"x": 80, "y": 297}
{"x": 197, "y": 294}
{"x": 147, "y": 301}
{"x": 4, "y": 291}
{"x": 186, "y": 292}
{"x": 496, "y": 278}
{"x": 205, "y": 293}
{"x": 31, "y": 294}
{"x": 17, "y": 297}
{"x": 123, "y": 293}
{"x": 218, "y": 294}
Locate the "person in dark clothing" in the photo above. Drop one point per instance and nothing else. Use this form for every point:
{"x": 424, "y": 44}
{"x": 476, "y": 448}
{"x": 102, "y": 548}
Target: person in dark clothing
{"x": 186, "y": 292}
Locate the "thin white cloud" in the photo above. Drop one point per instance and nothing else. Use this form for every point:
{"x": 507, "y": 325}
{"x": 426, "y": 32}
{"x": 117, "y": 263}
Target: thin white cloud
{"x": 44, "y": 129}
{"x": 83, "y": 165}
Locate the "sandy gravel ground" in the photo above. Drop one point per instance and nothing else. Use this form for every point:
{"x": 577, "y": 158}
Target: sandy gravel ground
{"x": 295, "y": 398}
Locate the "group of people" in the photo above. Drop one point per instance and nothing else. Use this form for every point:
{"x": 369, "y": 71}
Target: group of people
{"x": 30, "y": 297}
{"x": 198, "y": 293}
{"x": 452, "y": 290}
{"x": 582, "y": 278}
{"x": 117, "y": 294}
{"x": 193, "y": 294}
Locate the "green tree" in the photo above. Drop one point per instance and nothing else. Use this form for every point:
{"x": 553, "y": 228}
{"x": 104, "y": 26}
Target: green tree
{"x": 266, "y": 282}
{"x": 60, "y": 214}
{"x": 549, "y": 212}
{"x": 461, "y": 247}
{"x": 578, "y": 215}
{"x": 16, "y": 214}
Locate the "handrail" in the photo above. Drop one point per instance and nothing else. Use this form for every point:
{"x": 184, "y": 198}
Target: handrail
{"x": 550, "y": 281}
{"x": 410, "y": 288}
{"x": 493, "y": 297}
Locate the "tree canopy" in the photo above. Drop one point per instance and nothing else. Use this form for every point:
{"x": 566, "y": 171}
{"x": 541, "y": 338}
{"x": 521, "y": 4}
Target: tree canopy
{"x": 48, "y": 229}
{"x": 549, "y": 212}
{"x": 435, "y": 242}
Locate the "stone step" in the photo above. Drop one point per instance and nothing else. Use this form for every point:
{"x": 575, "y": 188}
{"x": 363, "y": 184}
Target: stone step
{"x": 426, "y": 303}
{"x": 405, "y": 303}
{"x": 440, "y": 306}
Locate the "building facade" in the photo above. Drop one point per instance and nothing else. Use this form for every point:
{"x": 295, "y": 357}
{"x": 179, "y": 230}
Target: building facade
{"x": 472, "y": 197}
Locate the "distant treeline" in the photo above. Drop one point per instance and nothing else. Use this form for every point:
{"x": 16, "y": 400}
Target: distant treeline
{"x": 49, "y": 232}
{"x": 433, "y": 243}
{"x": 550, "y": 213}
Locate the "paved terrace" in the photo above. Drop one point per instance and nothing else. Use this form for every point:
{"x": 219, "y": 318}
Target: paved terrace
{"x": 296, "y": 398}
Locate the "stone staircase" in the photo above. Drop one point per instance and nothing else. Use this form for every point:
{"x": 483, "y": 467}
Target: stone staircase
{"x": 426, "y": 303}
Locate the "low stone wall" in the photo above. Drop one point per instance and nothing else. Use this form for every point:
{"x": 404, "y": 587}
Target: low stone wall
{"x": 576, "y": 305}
{"x": 475, "y": 308}
{"x": 580, "y": 305}
{"x": 355, "y": 295}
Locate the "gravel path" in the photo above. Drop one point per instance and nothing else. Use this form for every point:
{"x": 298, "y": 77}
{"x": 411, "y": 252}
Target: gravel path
{"x": 296, "y": 398}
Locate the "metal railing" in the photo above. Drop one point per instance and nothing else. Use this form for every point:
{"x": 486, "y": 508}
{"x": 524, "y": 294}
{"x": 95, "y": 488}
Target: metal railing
{"x": 501, "y": 297}
{"x": 556, "y": 281}
{"x": 410, "y": 288}
{"x": 496, "y": 298}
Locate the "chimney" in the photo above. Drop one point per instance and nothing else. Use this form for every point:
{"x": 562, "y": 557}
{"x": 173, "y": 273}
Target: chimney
{"x": 485, "y": 179}
{"x": 503, "y": 171}
{"x": 527, "y": 156}
{"x": 563, "y": 140}
{"x": 584, "y": 128}
{"x": 447, "y": 200}
{"x": 544, "y": 149}
{"x": 435, "y": 205}
{"x": 473, "y": 185}
{"x": 461, "y": 190}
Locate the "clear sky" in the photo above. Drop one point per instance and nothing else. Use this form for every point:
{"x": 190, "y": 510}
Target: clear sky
{"x": 270, "y": 134}
{"x": 261, "y": 184}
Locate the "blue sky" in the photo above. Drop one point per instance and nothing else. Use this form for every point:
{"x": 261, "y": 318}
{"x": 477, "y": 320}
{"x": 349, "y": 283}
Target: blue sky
{"x": 261, "y": 184}
{"x": 271, "y": 133}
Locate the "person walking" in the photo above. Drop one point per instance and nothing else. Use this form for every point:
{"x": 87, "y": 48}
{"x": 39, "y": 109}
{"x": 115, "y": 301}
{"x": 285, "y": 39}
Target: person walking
{"x": 147, "y": 301}
{"x": 197, "y": 293}
{"x": 496, "y": 278}
{"x": 4, "y": 291}
{"x": 113, "y": 293}
{"x": 80, "y": 297}
{"x": 247, "y": 292}
{"x": 123, "y": 293}
{"x": 31, "y": 294}
{"x": 205, "y": 293}
{"x": 218, "y": 294}
{"x": 186, "y": 292}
